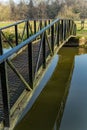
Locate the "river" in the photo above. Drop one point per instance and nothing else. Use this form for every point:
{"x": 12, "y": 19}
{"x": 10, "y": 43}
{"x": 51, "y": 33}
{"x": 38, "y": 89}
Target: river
{"x": 62, "y": 104}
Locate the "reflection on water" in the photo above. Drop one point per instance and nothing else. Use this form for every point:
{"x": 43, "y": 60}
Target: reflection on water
{"x": 43, "y": 82}
{"x": 75, "y": 113}
{"x": 69, "y": 78}
{"x": 82, "y": 51}
{"x": 6, "y": 49}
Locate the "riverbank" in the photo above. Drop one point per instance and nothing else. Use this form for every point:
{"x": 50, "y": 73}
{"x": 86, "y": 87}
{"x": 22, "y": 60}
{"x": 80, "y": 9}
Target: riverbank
{"x": 78, "y": 41}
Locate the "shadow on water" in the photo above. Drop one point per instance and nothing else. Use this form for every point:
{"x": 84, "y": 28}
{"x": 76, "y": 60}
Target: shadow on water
{"x": 47, "y": 111}
{"x": 43, "y": 82}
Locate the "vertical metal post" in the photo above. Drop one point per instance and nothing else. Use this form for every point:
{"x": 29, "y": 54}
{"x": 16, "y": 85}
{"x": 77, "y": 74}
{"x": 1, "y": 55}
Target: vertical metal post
{"x": 45, "y": 23}
{"x": 52, "y": 38}
{"x": 55, "y": 27}
{"x": 58, "y": 33}
{"x": 75, "y": 29}
{"x": 69, "y": 28}
{"x": 40, "y": 27}
{"x": 30, "y": 57}
{"x": 62, "y": 30}
{"x": 34, "y": 26}
{"x": 27, "y": 29}
{"x": 16, "y": 34}
{"x": 40, "y": 24}
{"x": 4, "y": 86}
{"x": 66, "y": 27}
{"x": 72, "y": 27}
{"x": 49, "y": 28}
{"x": 44, "y": 50}
{"x": 1, "y": 50}
{"x": 5, "y": 94}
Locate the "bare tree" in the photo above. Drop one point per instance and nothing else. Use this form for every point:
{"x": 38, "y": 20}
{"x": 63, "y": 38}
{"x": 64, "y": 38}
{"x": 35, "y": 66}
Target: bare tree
{"x": 42, "y": 10}
{"x": 30, "y": 10}
{"x": 21, "y": 10}
{"x": 12, "y": 9}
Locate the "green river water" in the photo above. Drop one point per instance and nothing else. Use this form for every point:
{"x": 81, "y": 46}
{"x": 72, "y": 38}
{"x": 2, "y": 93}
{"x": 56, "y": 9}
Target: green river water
{"x": 62, "y": 104}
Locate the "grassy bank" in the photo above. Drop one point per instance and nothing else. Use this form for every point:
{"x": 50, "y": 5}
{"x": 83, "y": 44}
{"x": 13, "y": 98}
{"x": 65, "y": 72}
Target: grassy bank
{"x": 81, "y": 32}
{"x": 2, "y": 23}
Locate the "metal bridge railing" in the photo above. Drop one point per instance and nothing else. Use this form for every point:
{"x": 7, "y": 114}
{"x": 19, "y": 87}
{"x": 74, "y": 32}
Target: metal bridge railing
{"x": 20, "y": 72}
{"x": 14, "y": 34}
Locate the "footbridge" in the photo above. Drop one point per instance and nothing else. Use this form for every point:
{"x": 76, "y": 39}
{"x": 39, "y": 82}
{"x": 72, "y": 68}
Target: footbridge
{"x": 31, "y": 46}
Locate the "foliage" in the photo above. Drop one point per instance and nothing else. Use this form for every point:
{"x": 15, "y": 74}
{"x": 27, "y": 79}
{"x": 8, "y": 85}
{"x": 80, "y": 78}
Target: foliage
{"x": 66, "y": 12}
{"x": 35, "y": 9}
{"x": 81, "y": 32}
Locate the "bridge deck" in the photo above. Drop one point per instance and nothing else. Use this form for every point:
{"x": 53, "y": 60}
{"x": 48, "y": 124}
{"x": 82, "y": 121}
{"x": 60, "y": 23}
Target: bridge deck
{"x": 16, "y": 87}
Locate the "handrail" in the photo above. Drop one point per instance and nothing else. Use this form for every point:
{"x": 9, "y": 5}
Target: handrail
{"x": 30, "y": 39}
{"x": 26, "y": 42}
{"x": 8, "y": 26}
{"x": 14, "y": 34}
{"x": 19, "y": 22}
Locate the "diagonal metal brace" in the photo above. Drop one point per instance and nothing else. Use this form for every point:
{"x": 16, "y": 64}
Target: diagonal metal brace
{"x": 39, "y": 53}
{"x": 30, "y": 28}
{"x": 19, "y": 75}
{"x": 49, "y": 44}
{"x": 7, "y": 39}
{"x": 23, "y": 32}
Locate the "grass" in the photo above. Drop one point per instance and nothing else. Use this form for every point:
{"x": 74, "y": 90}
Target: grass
{"x": 81, "y": 32}
{"x": 10, "y": 32}
{"x": 2, "y": 24}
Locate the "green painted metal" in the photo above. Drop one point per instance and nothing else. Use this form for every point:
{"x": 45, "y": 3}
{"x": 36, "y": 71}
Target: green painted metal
{"x": 16, "y": 34}
{"x": 5, "y": 94}
{"x": 30, "y": 65}
{"x": 44, "y": 50}
{"x": 51, "y": 35}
